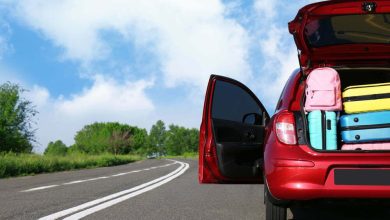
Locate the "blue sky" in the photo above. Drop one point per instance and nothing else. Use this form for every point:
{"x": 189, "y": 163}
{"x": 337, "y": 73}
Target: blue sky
{"x": 139, "y": 61}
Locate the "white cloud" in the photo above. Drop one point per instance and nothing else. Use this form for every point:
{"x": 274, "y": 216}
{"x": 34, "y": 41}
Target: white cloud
{"x": 107, "y": 96}
{"x": 39, "y": 96}
{"x": 5, "y": 33}
{"x": 276, "y": 10}
{"x": 266, "y": 8}
{"x": 191, "y": 38}
{"x": 105, "y": 100}
{"x": 281, "y": 58}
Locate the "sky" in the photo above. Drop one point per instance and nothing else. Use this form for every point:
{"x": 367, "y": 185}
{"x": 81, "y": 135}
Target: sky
{"x": 136, "y": 62}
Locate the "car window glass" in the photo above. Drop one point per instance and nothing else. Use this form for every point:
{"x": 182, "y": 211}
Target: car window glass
{"x": 231, "y": 102}
{"x": 348, "y": 29}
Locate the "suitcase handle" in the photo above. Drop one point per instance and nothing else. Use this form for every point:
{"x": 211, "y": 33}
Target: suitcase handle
{"x": 328, "y": 124}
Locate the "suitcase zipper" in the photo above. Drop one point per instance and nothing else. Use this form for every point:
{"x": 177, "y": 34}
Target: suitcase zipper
{"x": 323, "y": 125}
{"x": 364, "y": 127}
{"x": 366, "y": 97}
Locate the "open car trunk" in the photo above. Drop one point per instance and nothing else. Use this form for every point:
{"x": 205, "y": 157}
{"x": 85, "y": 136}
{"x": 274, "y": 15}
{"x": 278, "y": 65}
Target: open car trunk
{"x": 362, "y": 76}
{"x": 340, "y": 32}
{"x": 350, "y": 77}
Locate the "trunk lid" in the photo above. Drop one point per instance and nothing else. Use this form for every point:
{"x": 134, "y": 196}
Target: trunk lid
{"x": 342, "y": 32}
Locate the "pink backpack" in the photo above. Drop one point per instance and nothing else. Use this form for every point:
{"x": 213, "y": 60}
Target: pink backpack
{"x": 323, "y": 90}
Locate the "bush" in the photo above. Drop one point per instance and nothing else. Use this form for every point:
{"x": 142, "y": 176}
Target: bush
{"x": 109, "y": 137}
{"x": 56, "y": 148}
{"x": 12, "y": 164}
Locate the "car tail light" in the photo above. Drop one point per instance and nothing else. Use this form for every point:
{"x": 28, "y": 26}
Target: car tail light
{"x": 285, "y": 128}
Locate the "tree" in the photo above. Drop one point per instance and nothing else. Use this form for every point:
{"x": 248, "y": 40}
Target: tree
{"x": 93, "y": 138}
{"x": 140, "y": 140}
{"x": 120, "y": 142}
{"x": 16, "y": 120}
{"x": 193, "y": 139}
{"x": 157, "y": 138}
{"x": 175, "y": 141}
{"x": 180, "y": 140}
{"x": 57, "y": 148}
{"x": 112, "y": 137}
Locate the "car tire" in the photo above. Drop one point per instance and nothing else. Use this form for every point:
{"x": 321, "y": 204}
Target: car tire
{"x": 273, "y": 211}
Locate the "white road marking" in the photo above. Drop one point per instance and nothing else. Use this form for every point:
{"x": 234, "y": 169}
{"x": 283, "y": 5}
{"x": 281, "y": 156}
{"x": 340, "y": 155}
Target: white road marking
{"x": 39, "y": 188}
{"x": 107, "y": 201}
{"x": 86, "y": 180}
{"x": 99, "y": 207}
{"x": 96, "y": 178}
{"x": 120, "y": 174}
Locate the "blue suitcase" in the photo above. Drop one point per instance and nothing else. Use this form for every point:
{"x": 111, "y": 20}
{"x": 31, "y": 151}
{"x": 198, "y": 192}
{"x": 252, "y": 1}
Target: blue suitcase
{"x": 365, "y": 127}
{"x": 323, "y": 130}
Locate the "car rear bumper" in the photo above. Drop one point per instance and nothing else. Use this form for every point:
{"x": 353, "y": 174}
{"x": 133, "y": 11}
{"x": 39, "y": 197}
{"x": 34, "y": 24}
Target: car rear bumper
{"x": 307, "y": 191}
{"x": 313, "y": 176}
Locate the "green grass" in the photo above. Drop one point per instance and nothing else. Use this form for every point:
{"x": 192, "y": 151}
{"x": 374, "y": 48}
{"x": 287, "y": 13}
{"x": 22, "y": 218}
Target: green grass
{"x": 186, "y": 155}
{"x": 29, "y": 164}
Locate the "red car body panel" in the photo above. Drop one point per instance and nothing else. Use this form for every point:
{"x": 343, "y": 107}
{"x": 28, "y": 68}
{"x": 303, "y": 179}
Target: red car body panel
{"x": 208, "y": 172}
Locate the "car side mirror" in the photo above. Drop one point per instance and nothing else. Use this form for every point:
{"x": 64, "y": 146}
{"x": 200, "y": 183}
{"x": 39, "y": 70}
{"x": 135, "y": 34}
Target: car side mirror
{"x": 252, "y": 119}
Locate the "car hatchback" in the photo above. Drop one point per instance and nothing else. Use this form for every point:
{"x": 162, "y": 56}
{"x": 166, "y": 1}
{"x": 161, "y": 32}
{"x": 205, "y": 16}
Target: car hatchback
{"x": 240, "y": 143}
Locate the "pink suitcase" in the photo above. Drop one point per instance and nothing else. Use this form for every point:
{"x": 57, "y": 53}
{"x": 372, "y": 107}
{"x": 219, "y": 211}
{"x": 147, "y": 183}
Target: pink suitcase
{"x": 367, "y": 146}
{"x": 323, "y": 90}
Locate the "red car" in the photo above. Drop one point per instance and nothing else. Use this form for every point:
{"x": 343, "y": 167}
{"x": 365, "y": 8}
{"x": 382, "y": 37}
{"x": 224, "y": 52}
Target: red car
{"x": 241, "y": 143}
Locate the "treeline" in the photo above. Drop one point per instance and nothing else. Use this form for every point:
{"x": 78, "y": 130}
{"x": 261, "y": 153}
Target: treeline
{"x": 116, "y": 138}
{"x": 17, "y": 133}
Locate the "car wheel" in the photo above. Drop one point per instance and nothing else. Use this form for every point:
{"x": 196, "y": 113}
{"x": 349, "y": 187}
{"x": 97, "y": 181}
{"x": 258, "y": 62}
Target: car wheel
{"x": 273, "y": 211}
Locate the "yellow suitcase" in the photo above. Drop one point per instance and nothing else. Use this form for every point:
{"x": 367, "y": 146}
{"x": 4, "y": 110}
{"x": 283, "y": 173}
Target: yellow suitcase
{"x": 366, "y": 98}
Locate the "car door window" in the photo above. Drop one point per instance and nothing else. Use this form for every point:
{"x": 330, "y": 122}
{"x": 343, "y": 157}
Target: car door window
{"x": 233, "y": 103}
{"x": 236, "y": 115}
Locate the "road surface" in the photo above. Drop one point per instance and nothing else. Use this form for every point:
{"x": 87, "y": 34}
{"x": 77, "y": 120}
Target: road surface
{"x": 149, "y": 189}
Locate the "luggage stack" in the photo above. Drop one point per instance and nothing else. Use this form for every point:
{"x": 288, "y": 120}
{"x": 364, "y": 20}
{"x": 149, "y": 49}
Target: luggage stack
{"x": 365, "y": 118}
{"x": 323, "y": 100}
{"x": 366, "y": 124}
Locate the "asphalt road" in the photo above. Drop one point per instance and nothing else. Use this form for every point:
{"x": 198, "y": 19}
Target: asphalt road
{"x": 150, "y": 189}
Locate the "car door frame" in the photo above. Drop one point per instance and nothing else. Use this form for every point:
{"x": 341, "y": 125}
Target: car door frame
{"x": 209, "y": 171}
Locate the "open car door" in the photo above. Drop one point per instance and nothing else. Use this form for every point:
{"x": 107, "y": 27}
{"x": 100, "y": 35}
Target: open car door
{"x": 231, "y": 134}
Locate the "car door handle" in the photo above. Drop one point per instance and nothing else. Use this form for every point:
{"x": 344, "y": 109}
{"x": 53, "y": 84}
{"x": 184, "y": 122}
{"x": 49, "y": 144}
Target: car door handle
{"x": 250, "y": 135}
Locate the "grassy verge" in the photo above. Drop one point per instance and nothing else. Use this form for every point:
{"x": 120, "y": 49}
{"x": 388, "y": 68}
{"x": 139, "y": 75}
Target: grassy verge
{"x": 29, "y": 164}
{"x": 187, "y": 155}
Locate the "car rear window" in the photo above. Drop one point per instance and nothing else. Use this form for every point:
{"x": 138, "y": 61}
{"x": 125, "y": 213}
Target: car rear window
{"x": 348, "y": 29}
